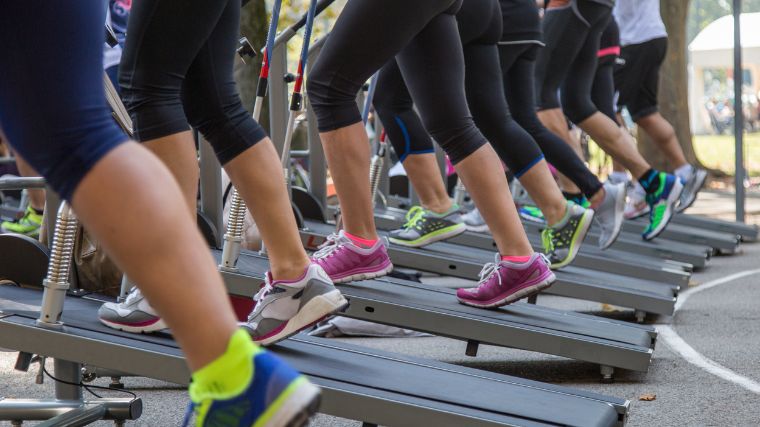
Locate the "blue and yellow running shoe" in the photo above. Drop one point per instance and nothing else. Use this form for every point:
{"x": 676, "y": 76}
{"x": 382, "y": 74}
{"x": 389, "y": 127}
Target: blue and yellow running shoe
{"x": 662, "y": 204}
{"x": 274, "y": 396}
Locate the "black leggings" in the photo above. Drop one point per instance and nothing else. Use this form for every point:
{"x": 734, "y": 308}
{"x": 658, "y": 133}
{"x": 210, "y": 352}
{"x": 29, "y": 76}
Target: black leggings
{"x": 480, "y": 29}
{"x": 572, "y": 36}
{"x": 423, "y": 37}
{"x": 603, "y": 90}
{"x": 518, "y": 64}
{"x": 177, "y": 70}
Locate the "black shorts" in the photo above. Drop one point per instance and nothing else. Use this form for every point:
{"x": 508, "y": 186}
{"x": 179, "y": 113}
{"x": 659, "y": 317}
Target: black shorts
{"x": 637, "y": 80}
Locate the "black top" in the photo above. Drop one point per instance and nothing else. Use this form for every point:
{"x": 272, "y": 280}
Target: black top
{"x": 521, "y": 22}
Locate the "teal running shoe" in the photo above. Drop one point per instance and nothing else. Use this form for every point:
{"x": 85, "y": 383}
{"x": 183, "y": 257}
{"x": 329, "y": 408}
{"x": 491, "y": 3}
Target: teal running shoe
{"x": 424, "y": 227}
{"x": 662, "y": 204}
{"x": 561, "y": 244}
{"x": 532, "y": 214}
{"x": 277, "y": 396}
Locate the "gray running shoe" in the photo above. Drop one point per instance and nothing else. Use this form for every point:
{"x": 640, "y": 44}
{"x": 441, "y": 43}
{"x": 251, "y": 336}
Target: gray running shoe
{"x": 134, "y": 314}
{"x": 424, "y": 227}
{"x": 609, "y": 214}
{"x": 562, "y": 244}
{"x": 284, "y": 308}
{"x": 690, "y": 189}
{"x": 473, "y": 221}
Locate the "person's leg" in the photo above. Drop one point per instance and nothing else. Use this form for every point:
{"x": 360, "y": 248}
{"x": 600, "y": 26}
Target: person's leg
{"x": 664, "y": 136}
{"x": 441, "y": 100}
{"x": 410, "y": 140}
{"x": 116, "y": 187}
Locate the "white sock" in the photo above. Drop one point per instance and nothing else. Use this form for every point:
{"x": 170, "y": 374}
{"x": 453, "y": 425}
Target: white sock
{"x": 617, "y": 177}
{"x": 684, "y": 172}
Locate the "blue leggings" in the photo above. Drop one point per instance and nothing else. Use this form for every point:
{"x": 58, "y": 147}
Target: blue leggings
{"x": 62, "y": 126}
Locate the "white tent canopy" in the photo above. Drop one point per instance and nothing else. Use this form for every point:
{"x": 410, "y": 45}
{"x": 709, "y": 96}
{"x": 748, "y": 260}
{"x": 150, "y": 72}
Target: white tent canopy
{"x": 713, "y": 46}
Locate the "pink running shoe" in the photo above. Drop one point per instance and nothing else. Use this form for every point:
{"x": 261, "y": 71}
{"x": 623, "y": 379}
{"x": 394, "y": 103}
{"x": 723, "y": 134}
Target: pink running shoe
{"x": 504, "y": 282}
{"x": 345, "y": 262}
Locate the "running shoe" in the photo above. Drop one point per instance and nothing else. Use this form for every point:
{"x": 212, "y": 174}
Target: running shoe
{"x": 283, "y": 308}
{"x": 473, "y": 221}
{"x": 579, "y": 200}
{"x": 504, "y": 282}
{"x": 28, "y": 225}
{"x": 662, "y": 204}
{"x": 609, "y": 214}
{"x": 276, "y": 395}
{"x": 561, "y": 244}
{"x": 424, "y": 227}
{"x": 134, "y": 314}
{"x": 345, "y": 262}
{"x": 532, "y": 214}
{"x": 691, "y": 187}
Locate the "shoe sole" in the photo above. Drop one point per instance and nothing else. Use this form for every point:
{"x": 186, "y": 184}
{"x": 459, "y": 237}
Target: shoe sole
{"x": 316, "y": 310}
{"x": 142, "y": 329}
{"x": 577, "y": 241}
{"x": 365, "y": 275}
{"x": 297, "y": 409}
{"x": 525, "y": 292}
{"x": 429, "y": 241}
{"x": 618, "y": 226}
{"x": 701, "y": 177}
{"x": 477, "y": 228}
{"x": 669, "y": 212}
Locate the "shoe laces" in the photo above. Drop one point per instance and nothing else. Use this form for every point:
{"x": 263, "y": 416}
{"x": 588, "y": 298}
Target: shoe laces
{"x": 490, "y": 269}
{"x": 133, "y": 295}
{"x": 414, "y": 217}
{"x": 329, "y": 247}
{"x": 547, "y": 239}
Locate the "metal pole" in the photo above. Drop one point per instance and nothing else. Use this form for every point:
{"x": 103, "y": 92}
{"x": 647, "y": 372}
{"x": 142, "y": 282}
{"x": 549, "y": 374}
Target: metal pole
{"x": 738, "y": 113}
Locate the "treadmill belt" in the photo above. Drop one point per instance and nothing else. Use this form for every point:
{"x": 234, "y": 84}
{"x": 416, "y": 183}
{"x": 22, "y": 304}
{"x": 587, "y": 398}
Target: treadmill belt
{"x": 498, "y": 396}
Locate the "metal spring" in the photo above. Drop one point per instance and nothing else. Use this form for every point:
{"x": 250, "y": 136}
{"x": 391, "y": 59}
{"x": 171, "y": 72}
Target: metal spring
{"x": 374, "y": 175}
{"x": 62, "y": 249}
{"x": 236, "y": 218}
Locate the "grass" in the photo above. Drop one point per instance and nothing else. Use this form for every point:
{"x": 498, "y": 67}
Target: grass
{"x": 717, "y": 151}
{"x": 714, "y": 151}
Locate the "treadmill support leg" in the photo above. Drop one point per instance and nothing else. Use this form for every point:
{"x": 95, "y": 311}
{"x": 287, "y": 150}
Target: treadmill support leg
{"x": 607, "y": 374}
{"x": 369, "y": 425}
{"x": 641, "y": 315}
{"x": 533, "y": 299}
{"x": 472, "y": 348}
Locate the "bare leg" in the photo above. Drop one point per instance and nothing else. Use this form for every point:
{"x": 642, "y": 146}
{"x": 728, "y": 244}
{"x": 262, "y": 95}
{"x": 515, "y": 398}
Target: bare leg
{"x": 482, "y": 174}
{"x": 423, "y": 172}
{"x": 544, "y": 191}
{"x": 258, "y": 176}
{"x": 663, "y": 134}
{"x": 178, "y": 154}
{"x": 167, "y": 255}
{"x": 36, "y": 196}
{"x": 616, "y": 142}
{"x": 347, "y": 151}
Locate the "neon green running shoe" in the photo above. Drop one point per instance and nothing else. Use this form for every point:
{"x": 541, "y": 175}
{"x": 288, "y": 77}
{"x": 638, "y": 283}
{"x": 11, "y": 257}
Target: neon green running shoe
{"x": 424, "y": 227}
{"x": 28, "y": 225}
{"x": 562, "y": 243}
{"x": 532, "y": 214}
{"x": 275, "y": 396}
{"x": 662, "y": 205}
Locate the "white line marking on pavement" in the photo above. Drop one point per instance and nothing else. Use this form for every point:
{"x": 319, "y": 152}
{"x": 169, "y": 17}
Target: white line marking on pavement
{"x": 689, "y": 354}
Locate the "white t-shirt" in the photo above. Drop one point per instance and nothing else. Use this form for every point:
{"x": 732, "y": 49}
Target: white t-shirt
{"x": 639, "y": 21}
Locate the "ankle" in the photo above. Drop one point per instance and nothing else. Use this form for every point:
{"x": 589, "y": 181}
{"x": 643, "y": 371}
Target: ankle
{"x": 516, "y": 258}
{"x": 289, "y": 270}
{"x": 439, "y": 206}
{"x": 597, "y": 199}
{"x": 361, "y": 241}
{"x": 555, "y": 214}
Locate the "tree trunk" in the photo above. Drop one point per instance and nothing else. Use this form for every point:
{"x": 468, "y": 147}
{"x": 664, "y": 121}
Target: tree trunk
{"x": 254, "y": 24}
{"x": 674, "y": 86}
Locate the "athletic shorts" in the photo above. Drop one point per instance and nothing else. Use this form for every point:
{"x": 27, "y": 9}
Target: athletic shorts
{"x": 637, "y": 79}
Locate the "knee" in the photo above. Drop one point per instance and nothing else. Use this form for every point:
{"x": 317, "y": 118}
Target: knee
{"x": 577, "y": 107}
{"x": 459, "y": 138}
{"x": 333, "y": 99}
